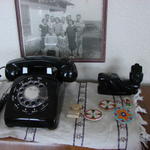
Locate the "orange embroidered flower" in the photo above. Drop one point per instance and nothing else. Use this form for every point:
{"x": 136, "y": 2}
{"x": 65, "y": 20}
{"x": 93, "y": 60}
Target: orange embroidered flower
{"x": 123, "y": 115}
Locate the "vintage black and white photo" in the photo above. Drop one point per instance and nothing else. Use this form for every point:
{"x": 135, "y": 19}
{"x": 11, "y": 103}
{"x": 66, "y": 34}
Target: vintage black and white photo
{"x": 63, "y": 28}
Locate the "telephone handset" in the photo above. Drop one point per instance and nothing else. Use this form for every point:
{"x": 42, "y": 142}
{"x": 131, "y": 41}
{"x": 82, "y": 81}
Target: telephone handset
{"x": 36, "y": 96}
{"x": 61, "y": 68}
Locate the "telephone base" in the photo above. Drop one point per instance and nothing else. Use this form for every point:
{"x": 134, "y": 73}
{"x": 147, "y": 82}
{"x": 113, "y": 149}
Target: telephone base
{"x": 31, "y": 122}
{"x": 111, "y": 91}
{"x": 25, "y": 110}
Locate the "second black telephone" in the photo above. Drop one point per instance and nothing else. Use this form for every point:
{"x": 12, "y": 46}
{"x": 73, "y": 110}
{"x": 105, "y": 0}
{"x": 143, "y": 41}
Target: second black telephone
{"x": 36, "y": 96}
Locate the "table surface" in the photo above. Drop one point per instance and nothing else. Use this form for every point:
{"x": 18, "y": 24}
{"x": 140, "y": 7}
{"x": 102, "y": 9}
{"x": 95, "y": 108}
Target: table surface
{"x": 15, "y": 144}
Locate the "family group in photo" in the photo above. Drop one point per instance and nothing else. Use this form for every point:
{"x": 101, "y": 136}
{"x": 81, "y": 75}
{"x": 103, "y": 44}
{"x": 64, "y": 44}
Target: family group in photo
{"x": 62, "y": 34}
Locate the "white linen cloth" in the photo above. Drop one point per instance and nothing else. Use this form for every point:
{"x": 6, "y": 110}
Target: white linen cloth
{"x": 106, "y": 133}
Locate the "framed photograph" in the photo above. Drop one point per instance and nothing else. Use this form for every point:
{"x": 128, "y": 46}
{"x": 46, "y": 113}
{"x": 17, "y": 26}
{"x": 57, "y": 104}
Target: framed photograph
{"x": 63, "y": 28}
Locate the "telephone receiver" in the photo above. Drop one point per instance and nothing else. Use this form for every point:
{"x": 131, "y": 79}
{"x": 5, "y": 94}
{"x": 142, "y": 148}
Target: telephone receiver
{"x": 62, "y": 69}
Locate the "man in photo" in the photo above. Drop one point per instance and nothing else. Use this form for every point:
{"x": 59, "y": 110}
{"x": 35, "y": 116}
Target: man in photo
{"x": 79, "y": 33}
{"x": 44, "y": 28}
{"x": 71, "y": 35}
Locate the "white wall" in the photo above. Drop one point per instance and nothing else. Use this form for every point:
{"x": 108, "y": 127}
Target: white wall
{"x": 128, "y": 38}
{"x": 9, "y": 45}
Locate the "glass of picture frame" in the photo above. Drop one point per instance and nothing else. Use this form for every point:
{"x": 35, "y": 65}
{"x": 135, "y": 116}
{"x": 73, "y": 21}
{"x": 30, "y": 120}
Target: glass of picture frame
{"x": 63, "y": 28}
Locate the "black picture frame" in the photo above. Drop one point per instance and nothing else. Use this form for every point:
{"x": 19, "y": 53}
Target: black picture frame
{"x": 84, "y": 31}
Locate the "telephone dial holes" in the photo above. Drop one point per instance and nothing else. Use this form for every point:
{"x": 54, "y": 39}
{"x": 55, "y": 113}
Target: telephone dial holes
{"x": 33, "y": 103}
{"x": 21, "y": 89}
{"x": 40, "y": 85}
{"x": 30, "y": 82}
{"x": 27, "y": 103}
{"x": 20, "y": 95}
{"x": 31, "y": 94}
{"x": 36, "y": 82}
{"x": 22, "y": 101}
{"x": 25, "y": 83}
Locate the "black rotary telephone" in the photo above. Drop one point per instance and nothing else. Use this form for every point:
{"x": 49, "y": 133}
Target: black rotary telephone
{"x": 36, "y": 96}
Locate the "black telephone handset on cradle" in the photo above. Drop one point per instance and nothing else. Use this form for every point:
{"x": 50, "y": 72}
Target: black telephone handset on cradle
{"x": 62, "y": 69}
{"x": 36, "y": 96}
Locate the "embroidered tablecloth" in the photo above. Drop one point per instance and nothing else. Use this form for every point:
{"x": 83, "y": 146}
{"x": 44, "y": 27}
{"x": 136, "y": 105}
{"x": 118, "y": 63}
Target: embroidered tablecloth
{"x": 106, "y": 133}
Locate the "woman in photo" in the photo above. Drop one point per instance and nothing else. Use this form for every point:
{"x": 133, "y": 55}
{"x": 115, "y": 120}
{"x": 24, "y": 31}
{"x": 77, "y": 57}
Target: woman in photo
{"x": 71, "y": 35}
{"x": 44, "y": 28}
{"x": 79, "y": 35}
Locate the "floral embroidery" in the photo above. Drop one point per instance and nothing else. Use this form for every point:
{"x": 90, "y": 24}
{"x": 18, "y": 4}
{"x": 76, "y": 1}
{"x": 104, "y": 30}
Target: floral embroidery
{"x": 123, "y": 115}
{"x": 123, "y": 139}
{"x": 107, "y": 105}
{"x": 128, "y": 102}
{"x": 81, "y": 99}
{"x": 79, "y": 136}
{"x": 122, "y": 126}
